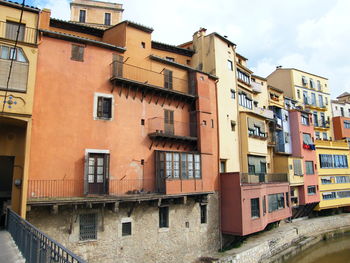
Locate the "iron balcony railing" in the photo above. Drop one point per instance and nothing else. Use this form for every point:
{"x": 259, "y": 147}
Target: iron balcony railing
{"x": 176, "y": 128}
{"x": 8, "y": 30}
{"x": 162, "y": 79}
{"x": 65, "y": 188}
{"x": 256, "y": 178}
{"x": 35, "y": 246}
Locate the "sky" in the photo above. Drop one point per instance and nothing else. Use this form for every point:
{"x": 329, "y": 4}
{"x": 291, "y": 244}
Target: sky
{"x": 311, "y": 35}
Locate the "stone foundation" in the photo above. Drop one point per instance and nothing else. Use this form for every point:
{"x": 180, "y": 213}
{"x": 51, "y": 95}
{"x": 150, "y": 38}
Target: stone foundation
{"x": 185, "y": 240}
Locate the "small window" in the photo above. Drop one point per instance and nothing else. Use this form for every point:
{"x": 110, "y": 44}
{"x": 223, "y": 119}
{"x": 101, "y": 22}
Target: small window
{"x": 88, "y": 227}
{"x": 230, "y": 65}
{"x": 126, "y": 229}
{"x": 255, "y": 208}
{"x": 203, "y": 214}
{"x": 107, "y": 19}
{"x": 264, "y": 205}
{"x": 311, "y": 190}
{"x": 143, "y": 44}
{"x": 233, "y": 125}
{"x": 212, "y": 123}
{"x": 77, "y": 53}
{"x": 233, "y": 94}
{"x": 298, "y": 94}
{"x": 164, "y": 217}
{"x": 170, "y": 58}
{"x": 82, "y": 16}
{"x": 104, "y": 107}
{"x": 222, "y": 166}
{"x": 142, "y": 122}
{"x": 168, "y": 79}
{"x": 309, "y": 167}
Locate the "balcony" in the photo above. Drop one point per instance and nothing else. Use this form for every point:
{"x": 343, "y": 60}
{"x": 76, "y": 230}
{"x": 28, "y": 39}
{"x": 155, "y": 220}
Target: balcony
{"x": 321, "y": 124}
{"x": 150, "y": 82}
{"x": 70, "y": 188}
{"x": 8, "y": 30}
{"x": 261, "y": 178}
{"x": 268, "y": 114}
{"x": 256, "y": 87}
{"x": 161, "y": 129}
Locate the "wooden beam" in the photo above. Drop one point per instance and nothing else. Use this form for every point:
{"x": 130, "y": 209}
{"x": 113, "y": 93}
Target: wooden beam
{"x": 127, "y": 95}
{"x": 143, "y": 95}
{"x": 135, "y": 93}
{"x": 150, "y": 100}
{"x": 165, "y": 98}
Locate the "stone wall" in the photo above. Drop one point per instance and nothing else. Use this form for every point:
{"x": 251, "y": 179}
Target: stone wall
{"x": 185, "y": 240}
{"x": 267, "y": 246}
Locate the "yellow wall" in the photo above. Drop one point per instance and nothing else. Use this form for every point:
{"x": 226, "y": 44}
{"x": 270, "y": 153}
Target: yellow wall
{"x": 15, "y": 139}
{"x": 281, "y": 79}
{"x": 339, "y": 148}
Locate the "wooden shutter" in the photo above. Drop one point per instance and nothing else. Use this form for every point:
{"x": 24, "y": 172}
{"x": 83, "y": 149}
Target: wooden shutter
{"x": 77, "y": 53}
{"x": 168, "y": 79}
{"x": 118, "y": 61}
{"x": 169, "y": 121}
{"x": 106, "y": 172}
{"x": 99, "y": 107}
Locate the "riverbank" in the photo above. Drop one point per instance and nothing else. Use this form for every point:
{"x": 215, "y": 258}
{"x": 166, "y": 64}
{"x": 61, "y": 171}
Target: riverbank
{"x": 284, "y": 241}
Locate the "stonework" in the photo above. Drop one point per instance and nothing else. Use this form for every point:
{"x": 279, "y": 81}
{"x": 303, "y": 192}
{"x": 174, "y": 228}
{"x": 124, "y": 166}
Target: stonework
{"x": 185, "y": 240}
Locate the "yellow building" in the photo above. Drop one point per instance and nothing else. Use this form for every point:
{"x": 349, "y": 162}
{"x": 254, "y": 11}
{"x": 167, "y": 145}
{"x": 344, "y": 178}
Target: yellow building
{"x": 96, "y": 13}
{"x": 334, "y": 174}
{"x": 311, "y": 91}
{"x": 17, "y": 80}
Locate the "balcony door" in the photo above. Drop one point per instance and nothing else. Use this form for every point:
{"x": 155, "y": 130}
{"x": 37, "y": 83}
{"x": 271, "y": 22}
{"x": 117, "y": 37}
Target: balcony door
{"x": 169, "y": 121}
{"x": 98, "y": 170}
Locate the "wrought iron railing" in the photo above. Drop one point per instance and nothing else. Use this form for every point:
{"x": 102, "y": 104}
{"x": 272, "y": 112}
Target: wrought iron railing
{"x": 35, "y": 246}
{"x": 255, "y": 178}
{"x": 146, "y": 76}
{"x": 65, "y": 188}
{"x": 177, "y": 128}
{"x": 26, "y": 34}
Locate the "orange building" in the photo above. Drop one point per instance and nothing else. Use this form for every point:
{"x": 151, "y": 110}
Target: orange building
{"x": 122, "y": 123}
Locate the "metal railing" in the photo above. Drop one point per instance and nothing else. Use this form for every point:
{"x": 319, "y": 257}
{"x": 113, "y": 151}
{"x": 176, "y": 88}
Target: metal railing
{"x": 255, "y": 178}
{"x": 178, "y": 128}
{"x": 67, "y": 188}
{"x": 35, "y": 246}
{"x": 26, "y": 34}
{"x": 135, "y": 73}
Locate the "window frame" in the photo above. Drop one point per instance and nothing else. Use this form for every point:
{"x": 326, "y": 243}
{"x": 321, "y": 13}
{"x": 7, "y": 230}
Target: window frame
{"x": 94, "y": 223}
{"x": 77, "y": 52}
{"x": 203, "y": 213}
{"x": 107, "y": 20}
{"x": 82, "y": 16}
{"x": 255, "y": 208}
{"x": 96, "y": 108}
{"x": 163, "y": 216}
{"x": 308, "y": 165}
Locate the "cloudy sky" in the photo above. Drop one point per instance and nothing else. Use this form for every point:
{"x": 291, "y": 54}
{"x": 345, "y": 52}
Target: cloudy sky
{"x": 312, "y": 35}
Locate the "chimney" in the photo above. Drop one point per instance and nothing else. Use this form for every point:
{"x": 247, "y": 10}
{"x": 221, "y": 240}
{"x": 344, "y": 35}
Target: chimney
{"x": 44, "y": 18}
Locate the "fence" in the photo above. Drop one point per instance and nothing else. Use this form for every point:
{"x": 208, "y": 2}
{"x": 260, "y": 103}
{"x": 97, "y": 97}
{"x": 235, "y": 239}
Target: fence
{"x": 159, "y": 79}
{"x": 35, "y": 246}
{"x": 64, "y": 188}
{"x": 250, "y": 178}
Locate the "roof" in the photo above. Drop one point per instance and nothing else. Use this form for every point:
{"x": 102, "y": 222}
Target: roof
{"x": 135, "y": 25}
{"x": 78, "y": 39}
{"x": 275, "y": 89}
{"x": 19, "y": 6}
{"x": 171, "y": 48}
{"x": 239, "y": 55}
{"x": 258, "y": 77}
{"x": 77, "y": 27}
{"x": 300, "y": 71}
{"x": 344, "y": 94}
{"x": 222, "y": 38}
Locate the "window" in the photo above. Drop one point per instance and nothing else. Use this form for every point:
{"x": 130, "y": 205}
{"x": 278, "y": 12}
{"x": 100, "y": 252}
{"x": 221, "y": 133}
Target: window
{"x": 298, "y": 94}
{"x": 11, "y": 31}
{"x": 305, "y": 97}
{"x": 347, "y": 124}
{"x": 168, "y": 79}
{"x": 287, "y": 198}
{"x": 343, "y": 179}
{"x": 297, "y": 167}
{"x": 169, "y": 121}
{"x": 309, "y": 167}
{"x": 77, "y": 53}
{"x": 176, "y": 165}
{"x": 233, "y": 94}
{"x": 104, "y": 107}
{"x": 342, "y": 111}
{"x": 203, "y": 211}
{"x": 170, "y": 59}
{"x": 276, "y": 202}
{"x": 20, "y": 67}
{"x": 304, "y": 80}
{"x": 243, "y": 76}
{"x": 256, "y": 164}
{"x": 88, "y": 227}
{"x": 230, "y": 65}
{"x": 126, "y": 229}
{"x": 222, "y": 166}
{"x": 311, "y": 190}
{"x": 255, "y": 208}
{"x": 143, "y": 44}
{"x": 305, "y": 119}
{"x": 317, "y": 135}
{"x": 82, "y": 16}
{"x": 324, "y": 135}
{"x": 320, "y": 101}
{"x": 315, "y": 114}
{"x": 164, "y": 217}
{"x": 328, "y": 195}
{"x": 313, "y": 99}
{"x": 264, "y": 205}
{"x": 307, "y": 139}
{"x": 245, "y": 100}
{"x": 326, "y": 98}
{"x": 319, "y": 86}
{"x": 343, "y": 194}
{"x": 312, "y": 84}
{"x": 107, "y": 19}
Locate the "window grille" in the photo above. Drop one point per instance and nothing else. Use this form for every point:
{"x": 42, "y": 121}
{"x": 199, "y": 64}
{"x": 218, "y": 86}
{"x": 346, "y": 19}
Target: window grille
{"x": 88, "y": 227}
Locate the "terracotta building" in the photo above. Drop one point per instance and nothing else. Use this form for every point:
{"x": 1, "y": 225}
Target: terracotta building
{"x": 124, "y": 144}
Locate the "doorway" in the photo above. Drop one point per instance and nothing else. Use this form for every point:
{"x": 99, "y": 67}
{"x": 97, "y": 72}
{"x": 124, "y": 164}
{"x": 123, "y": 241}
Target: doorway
{"x": 6, "y": 178}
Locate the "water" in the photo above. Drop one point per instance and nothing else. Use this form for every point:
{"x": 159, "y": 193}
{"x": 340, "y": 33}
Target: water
{"x": 329, "y": 251}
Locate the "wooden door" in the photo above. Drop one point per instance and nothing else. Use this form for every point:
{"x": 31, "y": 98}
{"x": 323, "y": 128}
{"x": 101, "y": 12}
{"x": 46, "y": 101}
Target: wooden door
{"x": 98, "y": 166}
{"x": 169, "y": 121}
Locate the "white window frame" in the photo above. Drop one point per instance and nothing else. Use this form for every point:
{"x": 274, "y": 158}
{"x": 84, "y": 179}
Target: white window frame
{"x": 94, "y": 113}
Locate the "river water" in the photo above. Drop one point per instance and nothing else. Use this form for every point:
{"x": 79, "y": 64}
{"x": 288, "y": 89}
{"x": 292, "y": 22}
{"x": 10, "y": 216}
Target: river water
{"x": 329, "y": 251}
